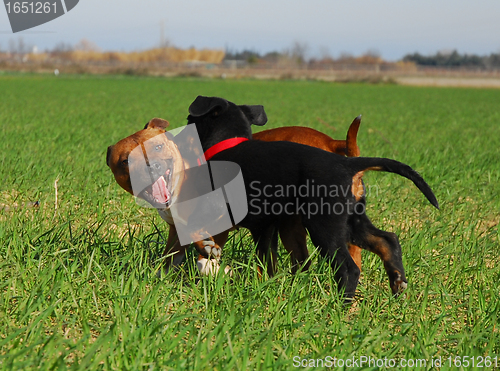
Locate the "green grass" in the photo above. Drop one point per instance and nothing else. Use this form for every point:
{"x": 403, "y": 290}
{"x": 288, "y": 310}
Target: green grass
{"x": 78, "y": 285}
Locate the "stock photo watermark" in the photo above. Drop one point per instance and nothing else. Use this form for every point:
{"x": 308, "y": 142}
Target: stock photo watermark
{"x": 24, "y": 15}
{"x": 308, "y": 199}
{"x": 459, "y": 362}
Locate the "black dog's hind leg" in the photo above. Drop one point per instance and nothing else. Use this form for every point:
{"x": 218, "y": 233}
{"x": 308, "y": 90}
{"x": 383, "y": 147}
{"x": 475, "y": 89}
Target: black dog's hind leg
{"x": 294, "y": 239}
{"x": 330, "y": 237}
{"x": 266, "y": 240}
{"x": 385, "y": 244}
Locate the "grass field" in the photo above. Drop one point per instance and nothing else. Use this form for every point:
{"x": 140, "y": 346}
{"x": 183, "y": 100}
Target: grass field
{"x": 78, "y": 284}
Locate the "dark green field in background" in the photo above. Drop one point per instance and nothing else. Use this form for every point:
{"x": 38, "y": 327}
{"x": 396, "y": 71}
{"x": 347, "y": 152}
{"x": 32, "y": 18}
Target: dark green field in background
{"x": 78, "y": 282}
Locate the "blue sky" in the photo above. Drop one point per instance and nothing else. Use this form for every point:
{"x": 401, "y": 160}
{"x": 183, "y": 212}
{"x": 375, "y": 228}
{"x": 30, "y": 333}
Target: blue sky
{"x": 392, "y": 27}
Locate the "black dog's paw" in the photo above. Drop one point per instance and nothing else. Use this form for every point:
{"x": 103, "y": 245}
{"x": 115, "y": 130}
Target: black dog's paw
{"x": 399, "y": 284}
{"x": 212, "y": 249}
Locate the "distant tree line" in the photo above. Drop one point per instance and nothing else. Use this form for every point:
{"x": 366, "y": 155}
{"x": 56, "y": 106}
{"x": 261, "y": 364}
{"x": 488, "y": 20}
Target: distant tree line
{"x": 454, "y": 59}
{"x": 87, "y": 51}
{"x": 297, "y": 54}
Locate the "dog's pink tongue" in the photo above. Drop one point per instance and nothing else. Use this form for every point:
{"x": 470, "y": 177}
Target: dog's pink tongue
{"x": 160, "y": 191}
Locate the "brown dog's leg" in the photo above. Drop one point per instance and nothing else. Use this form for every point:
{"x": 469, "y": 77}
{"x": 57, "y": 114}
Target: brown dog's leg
{"x": 355, "y": 252}
{"x": 384, "y": 244}
{"x": 174, "y": 253}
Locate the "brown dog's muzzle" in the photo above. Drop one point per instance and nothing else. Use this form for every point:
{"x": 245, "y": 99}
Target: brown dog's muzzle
{"x": 159, "y": 192}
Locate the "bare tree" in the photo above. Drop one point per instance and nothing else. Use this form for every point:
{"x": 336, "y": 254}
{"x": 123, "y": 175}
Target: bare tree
{"x": 324, "y": 53}
{"x": 374, "y": 53}
{"x": 295, "y": 55}
{"x": 164, "y": 41}
{"x": 372, "y": 56}
{"x": 62, "y": 47}
{"x": 19, "y": 46}
{"x": 346, "y": 57}
{"x": 12, "y": 46}
{"x": 87, "y": 46}
{"x": 299, "y": 52}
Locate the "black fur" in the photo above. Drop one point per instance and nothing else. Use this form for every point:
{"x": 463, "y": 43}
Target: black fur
{"x": 236, "y": 120}
{"x": 283, "y": 165}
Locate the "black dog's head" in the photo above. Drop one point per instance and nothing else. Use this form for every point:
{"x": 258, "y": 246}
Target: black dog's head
{"x": 217, "y": 119}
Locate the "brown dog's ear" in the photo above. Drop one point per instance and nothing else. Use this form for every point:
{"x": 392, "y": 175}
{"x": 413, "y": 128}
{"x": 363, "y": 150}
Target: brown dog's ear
{"x": 203, "y": 105}
{"x": 108, "y": 155}
{"x": 157, "y": 123}
{"x": 255, "y": 114}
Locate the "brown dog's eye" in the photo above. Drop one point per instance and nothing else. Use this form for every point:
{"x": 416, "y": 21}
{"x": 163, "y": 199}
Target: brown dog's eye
{"x": 159, "y": 147}
{"x": 125, "y": 162}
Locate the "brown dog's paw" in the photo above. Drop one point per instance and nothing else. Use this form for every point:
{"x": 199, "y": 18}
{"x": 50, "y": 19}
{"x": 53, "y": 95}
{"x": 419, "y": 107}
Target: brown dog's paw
{"x": 208, "y": 267}
{"x": 228, "y": 271}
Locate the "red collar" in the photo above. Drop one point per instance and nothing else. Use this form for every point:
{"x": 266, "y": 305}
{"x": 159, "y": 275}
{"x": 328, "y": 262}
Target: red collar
{"x": 221, "y": 146}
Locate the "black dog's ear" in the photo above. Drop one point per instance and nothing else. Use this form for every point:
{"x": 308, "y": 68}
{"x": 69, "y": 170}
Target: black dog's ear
{"x": 255, "y": 114}
{"x": 203, "y": 105}
{"x": 157, "y": 123}
{"x": 108, "y": 155}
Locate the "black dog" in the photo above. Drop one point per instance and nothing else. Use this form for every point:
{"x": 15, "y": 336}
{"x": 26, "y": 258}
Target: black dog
{"x": 284, "y": 179}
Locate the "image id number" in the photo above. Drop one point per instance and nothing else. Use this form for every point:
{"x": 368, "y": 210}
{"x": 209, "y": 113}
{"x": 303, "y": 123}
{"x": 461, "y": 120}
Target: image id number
{"x": 475, "y": 362}
{"x": 25, "y": 7}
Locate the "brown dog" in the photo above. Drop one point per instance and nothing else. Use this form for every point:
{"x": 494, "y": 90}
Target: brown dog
{"x": 314, "y": 138}
{"x": 143, "y": 152}
{"x": 293, "y": 235}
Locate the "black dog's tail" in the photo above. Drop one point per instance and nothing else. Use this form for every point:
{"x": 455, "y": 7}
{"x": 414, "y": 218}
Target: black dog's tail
{"x": 358, "y": 164}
